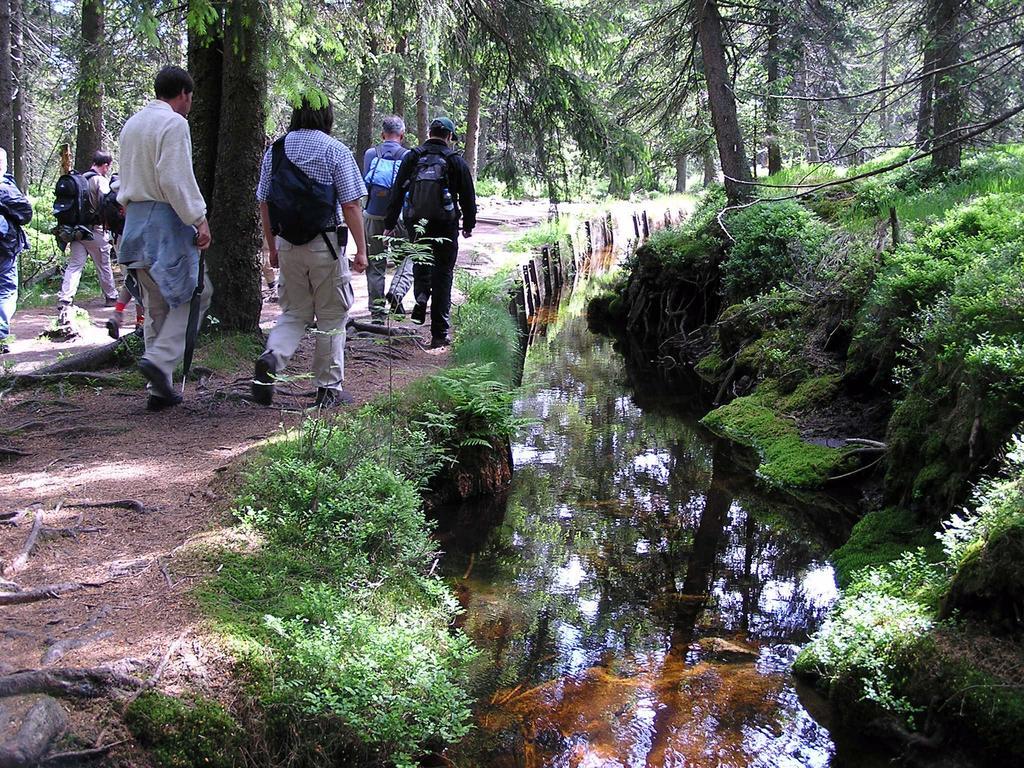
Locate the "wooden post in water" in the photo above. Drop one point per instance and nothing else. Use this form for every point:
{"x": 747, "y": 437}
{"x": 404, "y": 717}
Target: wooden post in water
{"x": 528, "y": 292}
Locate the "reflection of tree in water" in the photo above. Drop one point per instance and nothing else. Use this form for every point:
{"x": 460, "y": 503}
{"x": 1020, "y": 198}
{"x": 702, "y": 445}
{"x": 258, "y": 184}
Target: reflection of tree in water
{"x": 620, "y": 547}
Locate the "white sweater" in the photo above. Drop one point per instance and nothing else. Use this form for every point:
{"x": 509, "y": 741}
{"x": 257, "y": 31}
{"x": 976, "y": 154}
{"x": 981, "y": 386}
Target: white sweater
{"x": 156, "y": 162}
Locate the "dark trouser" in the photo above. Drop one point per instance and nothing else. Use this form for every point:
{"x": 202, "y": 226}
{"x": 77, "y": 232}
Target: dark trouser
{"x": 434, "y": 281}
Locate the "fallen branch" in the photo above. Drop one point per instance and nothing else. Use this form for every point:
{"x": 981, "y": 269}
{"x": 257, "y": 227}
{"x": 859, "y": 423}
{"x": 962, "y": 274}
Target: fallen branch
{"x": 6, "y": 451}
{"x": 130, "y": 504}
{"x": 50, "y": 591}
{"x": 87, "y": 360}
{"x": 384, "y": 330}
{"x": 74, "y": 758}
{"x": 86, "y": 683}
{"x": 29, "y": 378}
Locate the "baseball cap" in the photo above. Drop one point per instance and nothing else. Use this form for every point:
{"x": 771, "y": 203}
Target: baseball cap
{"x": 445, "y": 124}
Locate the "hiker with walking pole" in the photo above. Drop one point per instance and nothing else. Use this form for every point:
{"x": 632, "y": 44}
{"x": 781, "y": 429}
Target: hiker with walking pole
{"x": 165, "y": 230}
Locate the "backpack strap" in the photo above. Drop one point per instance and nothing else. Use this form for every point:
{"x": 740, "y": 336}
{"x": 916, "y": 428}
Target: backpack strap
{"x": 276, "y": 154}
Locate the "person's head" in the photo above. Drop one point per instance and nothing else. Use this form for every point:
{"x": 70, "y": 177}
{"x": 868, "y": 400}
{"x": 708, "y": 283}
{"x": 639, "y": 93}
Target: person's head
{"x": 3, "y": 162}
{"x": 443, "y": 128}
{"x": 101, "y": 162}
{"x": 174, "y": 85}
{"x": 392, "y": 128}
{"x": 310, "y": 118}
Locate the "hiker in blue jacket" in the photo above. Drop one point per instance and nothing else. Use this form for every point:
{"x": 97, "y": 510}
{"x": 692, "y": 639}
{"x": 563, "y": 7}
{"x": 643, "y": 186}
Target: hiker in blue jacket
{"x": 380, "y": 169}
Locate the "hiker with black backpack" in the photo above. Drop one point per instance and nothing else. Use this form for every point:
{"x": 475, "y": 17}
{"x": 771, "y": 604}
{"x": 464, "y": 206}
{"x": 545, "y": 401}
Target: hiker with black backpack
{"x": 434, "y": 188}
{"x": 380, "y": 169}
{"x": 78, "y": 202}
{"x": 15, "y": 213}
{"x": 309, "y": 187}
{"x": 165, "y": 229}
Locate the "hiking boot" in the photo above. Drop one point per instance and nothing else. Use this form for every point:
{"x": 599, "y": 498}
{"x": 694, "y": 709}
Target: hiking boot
{"x": 263, "y": 379}
{"x": 156, "y": 403}
{"x": 419, "y": 313}
{"x": 4, "y": 347}
{"x": 109, "y": 302}
{"x": 332, "y": 398}
{"x": 440, "y": 341}
{"x": 159, "y": 383}
{"x": 113, "y": 325}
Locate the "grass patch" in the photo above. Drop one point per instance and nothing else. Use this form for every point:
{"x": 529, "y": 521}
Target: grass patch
{"x": 183, "y": 734}
{"x": 786, "y": 460}
{"x": 228, "y": 352}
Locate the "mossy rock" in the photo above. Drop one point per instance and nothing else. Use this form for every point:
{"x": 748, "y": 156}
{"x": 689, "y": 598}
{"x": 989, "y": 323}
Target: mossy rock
{"x": 184, "y": 735}
{"x": 710, "y": 367}
{"x": 878, "y": 538}
{"x": 989, "y": 584}
{"x": 786, "y": 460}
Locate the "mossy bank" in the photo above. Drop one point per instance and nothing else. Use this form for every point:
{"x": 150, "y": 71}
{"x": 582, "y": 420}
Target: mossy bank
{"x": 846, "y": 352}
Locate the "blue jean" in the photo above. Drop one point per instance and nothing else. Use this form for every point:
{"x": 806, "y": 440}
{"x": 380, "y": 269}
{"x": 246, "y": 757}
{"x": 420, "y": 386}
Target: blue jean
{"x": 8, "y": 294}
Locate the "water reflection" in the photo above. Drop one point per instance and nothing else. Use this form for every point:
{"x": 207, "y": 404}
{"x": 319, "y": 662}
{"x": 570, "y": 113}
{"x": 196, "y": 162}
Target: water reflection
{"x": 632, "y": 611}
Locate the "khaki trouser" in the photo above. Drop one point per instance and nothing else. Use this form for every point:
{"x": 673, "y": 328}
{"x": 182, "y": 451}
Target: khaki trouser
{"x": 164, "y": 329}
{"x": 312, "y": 285}
{"x": 80, "y": 250}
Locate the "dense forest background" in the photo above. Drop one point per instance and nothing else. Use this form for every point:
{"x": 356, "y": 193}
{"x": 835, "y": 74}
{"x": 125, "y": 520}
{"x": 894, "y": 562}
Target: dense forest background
{"x": 568, "y": 99}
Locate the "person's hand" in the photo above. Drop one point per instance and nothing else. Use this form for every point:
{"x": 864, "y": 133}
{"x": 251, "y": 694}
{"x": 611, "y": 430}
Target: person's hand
{"x": 360, "y": 263}
{"x": 388, "y": 232}
{"x": 203, "y": 238}
{"x": 272, "y": 255}
{"x": 467, "y": 233}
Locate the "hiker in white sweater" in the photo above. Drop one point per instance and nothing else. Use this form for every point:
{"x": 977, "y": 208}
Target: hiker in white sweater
{"x": 165, "y": 226}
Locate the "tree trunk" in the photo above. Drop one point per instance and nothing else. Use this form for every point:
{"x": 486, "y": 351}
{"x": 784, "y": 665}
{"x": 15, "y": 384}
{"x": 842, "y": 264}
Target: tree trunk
{"x": 731, "y": 151}
{"x": 367, "y": 108}
{"x": 883, "y": 108}
{"x": 708, "y": 158}
{"x": 422, "y": 108}
{"x": 773, "y": 106}
{"x": 948, "y": 104}
{"x": 90, "y": 85}
{"x": 805, "y": 114}
{"x": 6, "y": 79}
{"x": 925, "y": 100}
{"x": 398, "y": 92}
{"x": 681, "y": 171}
{"x": 206, "y": 65}
{"x": 472, "y": 123}
{"x": 233, "y": 261}
{"x": 19, "y": 142}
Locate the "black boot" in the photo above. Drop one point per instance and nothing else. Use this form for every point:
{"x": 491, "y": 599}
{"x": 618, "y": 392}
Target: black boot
{"x": 263, "y": 379}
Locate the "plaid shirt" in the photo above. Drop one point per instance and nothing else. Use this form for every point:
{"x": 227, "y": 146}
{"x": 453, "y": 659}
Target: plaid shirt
{"x": 324, "y": 159}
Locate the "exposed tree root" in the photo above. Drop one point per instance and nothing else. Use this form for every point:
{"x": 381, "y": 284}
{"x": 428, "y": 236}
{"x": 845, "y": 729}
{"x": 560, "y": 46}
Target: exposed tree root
{"x": 9, "y": 451}
{"x": 130, "y": 504}
{"x": 56, "y": 651}
{"x": 44, "y": 722}
{"x": 49, "y": 592}
{"x": 35, "y": 378}
{"x": 19, "y": 562}
{"x": 81, "y": 755}
{"x": 82, "y": 683}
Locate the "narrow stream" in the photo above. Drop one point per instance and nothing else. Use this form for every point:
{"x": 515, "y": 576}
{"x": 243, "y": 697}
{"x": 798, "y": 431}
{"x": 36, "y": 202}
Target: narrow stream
{"x": 637, "y": 603}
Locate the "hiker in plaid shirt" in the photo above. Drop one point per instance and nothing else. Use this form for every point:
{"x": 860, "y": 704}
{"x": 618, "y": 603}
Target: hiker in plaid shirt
{"x": 315, "y": 281}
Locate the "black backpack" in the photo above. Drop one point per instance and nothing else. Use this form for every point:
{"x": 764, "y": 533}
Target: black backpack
{"x": 111, "y": 213}
{"x": 428, "y": 195}
{"x": 71, "y": 205}
{"x": 300, "y": 209}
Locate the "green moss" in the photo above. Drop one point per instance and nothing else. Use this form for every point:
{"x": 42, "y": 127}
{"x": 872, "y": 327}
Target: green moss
{"x": 181, "y": 734}
{"x": 786, "y": 460}
{"x": 878, "y": 538}
{"x": 811, "y": 393}
{"x": 228, "y": 352}
{"x": 710, "y": 366}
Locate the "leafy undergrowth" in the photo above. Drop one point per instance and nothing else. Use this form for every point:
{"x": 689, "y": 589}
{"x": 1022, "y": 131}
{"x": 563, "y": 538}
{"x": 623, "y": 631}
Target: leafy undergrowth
{"x": 899, "y": 641}
{"x": 344, "y": 636}
{"x": 182, "y": 734}
{"x": 786, "y": 460}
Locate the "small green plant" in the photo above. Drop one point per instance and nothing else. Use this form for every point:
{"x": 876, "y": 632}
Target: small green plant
{"x": 185, "y": 734}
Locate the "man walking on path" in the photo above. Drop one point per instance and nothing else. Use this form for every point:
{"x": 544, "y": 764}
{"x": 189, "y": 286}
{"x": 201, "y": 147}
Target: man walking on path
{"x": 435, "y": 185}
{"x": 380, "y": 169}
{"x": 98, "y": 247}
{"x": 310, "y": 184}
{"x": 15, "y": 212}
{"x": 165, "y": 227}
